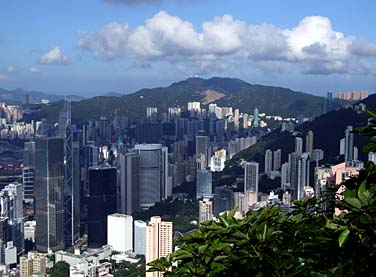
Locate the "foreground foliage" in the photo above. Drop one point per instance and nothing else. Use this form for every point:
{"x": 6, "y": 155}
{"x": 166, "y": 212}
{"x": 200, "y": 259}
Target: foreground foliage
{"x": 308, "y": 241}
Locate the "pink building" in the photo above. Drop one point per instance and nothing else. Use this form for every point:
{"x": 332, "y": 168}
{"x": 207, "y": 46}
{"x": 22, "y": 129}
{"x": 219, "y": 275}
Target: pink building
{"x": 353, "y": 95}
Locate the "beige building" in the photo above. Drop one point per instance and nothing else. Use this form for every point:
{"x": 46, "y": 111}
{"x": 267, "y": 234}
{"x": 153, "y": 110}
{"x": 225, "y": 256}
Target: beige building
{"x": 205, "y": 210}
{"x": 33, "y": 264}
{"x": 159, "y": 235}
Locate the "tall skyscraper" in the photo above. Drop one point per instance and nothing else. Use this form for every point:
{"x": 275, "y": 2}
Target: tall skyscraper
{"x": 151, "y": 112}
{"x": 293, "y": 168}
{"x": 328, "y": 106}
{"x": 251, "y": 177}
{"x": 309, "y": 142}
{"x": 28, "y": 171}
{"x": 102, "y": 202}
{"x": 159, "y": 236}
{"x": 202, "y": 151}
{"x": 49, "y": 194}
{"x": 129, "y": 183}
{"x": 298, "y": 146}
{"x": 205, "y": 210}
{"x": 236, "y": 119}
{"x": 349, "y": 144}
{"x": 72, "y": 186}
{"x": 245, "y": 121}
{"x": 256, "y": 118}
{"x": 268, "y": 161}
{"x": 203, "y": 183}
{"x": 277, "y": 157}
{"x": 153, "y": 174}
{"x": 303, "y": 174}
{"x": 285, "y": 176}
{"x": 120, "y": 232}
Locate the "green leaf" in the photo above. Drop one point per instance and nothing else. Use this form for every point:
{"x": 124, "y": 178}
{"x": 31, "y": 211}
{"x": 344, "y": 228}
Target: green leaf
{"x": 343, "y": 237}
{"x": 353, "y": 202}
{"x": 362, "y": 188}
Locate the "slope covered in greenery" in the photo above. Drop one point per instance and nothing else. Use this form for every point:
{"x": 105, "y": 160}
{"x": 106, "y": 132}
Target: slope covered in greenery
{"x": 237, "y": 93}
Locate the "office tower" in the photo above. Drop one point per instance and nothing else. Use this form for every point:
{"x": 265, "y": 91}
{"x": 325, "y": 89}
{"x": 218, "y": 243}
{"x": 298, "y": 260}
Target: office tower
{"x": 309, "y": 142}
{"x": 11, "y": 208}
{"x": 64, "y": 119}
{"x": 205, "y": 210}
{"x": 33, "y": 264}
{"x": 277, "y": 157}
{"x": 139, "y": 244}
{"x": 303, "y": 175}
{"x": 256, "y": 119}
{"x": 120, "y": 232}
{"x": 328, "y": 102}
{"x": 103, "y": 128}
{"x": 251, "y": 177}
{"x": 173, "y": 113}
{"x": 153, "y": 174}
{"x": 298, "y": 146}
{"x": 159, "y": 236}
{"x": 29, "y": 154}
{"x": 217, "y": 162}
{"x": 49, "y": 197}
{"x": 203, "y": 183}
{"x": 102, "y": 202}
{"x": 202, "y": 151}
{"x": 372, "y": 157}
{"x": 317, "y": 155}
{"x": 72, "y": 181}
{"x": 342, "y": 146}
{"x": 28, "y": 183}
{"x": 245, "y": 121}
{"x": 129, "y": 183}
{"x": 293, "y": 168}
{"x": 349, "y": 144}
{"x": 285, "y": 176}
{"x": 236, "y": 119}
{"x": 268, "y": 161}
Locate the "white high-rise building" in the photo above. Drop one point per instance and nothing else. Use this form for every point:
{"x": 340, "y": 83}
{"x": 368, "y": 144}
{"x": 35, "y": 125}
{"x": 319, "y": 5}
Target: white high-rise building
{"x": 298, "y": 146}
{"x": 277, "y": 157}
{"x": 140, "y": 237}
{"x": 303, "y": 174}
{"x": 120, "y": 232}
{"x": 194, "y": 106}
{"x": 205, "y": 209}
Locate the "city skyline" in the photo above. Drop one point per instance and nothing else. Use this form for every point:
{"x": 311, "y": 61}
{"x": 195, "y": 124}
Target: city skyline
{"x": 123, "y": 46}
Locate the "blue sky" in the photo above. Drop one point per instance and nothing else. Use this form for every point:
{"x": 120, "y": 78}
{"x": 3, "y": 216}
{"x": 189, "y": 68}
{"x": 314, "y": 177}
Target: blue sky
{"x": 91, "y": 47}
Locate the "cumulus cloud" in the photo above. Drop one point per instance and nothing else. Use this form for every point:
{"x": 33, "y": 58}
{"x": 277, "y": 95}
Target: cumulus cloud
{"x": 53, "y": 56}
{"x": 313, "y": 46}
{"x": 35, "y": 70}
{"x": 11, "y": 69}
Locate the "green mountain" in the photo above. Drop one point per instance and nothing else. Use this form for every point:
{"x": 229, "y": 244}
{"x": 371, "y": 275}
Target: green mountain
{"x": 328, "y": 129}
{"x": 223, "y": 91}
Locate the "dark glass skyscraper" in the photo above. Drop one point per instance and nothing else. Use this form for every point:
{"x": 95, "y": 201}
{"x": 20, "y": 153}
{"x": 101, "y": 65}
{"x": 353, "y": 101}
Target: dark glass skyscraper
{"x": 102, "y": 202}
{"x": 49, "y": 194}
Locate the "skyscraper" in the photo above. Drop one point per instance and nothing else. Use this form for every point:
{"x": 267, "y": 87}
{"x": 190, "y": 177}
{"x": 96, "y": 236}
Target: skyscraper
{"x": 298, "y": 146}
{"x": 251, "y": 177}
{"x": 129, "y": 183}
{"x": 153, "y": 174}
{"x": 309, "y": 142}
{"x": 49, "y": 194}
{"x": 245, "y": 121}
{"x": 349, "y": 144}
{"x": 203, "y": 183}
{"x": 72, "y": 186}
{"x": 277, "y": 157}
{"x": 101, "y": 203}
{"x": 236, "y": 119}
{"x": 256, "y": 119}
{"x": 268, "y": 161}
{"x": 293, "y": 168}
{"x": 328, "y": 102}
{"x": 202, "y": 151}
{"x": 303, "y": 174}
{"x": 159, "y": 236}
{"x": 205, "y": 210}
{"x": 139, "y": 243}
{"x": 28, "y": 171}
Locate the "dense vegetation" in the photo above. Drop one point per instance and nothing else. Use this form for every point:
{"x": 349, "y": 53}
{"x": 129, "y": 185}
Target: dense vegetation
{"x": 308, "y": 241}
{"x": 237, "y": 93}
{"x": 60, "y": 269}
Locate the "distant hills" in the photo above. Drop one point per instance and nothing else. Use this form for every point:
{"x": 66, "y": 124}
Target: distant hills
{"x": 18, "y": 96}
{"x": 222, "y": 91}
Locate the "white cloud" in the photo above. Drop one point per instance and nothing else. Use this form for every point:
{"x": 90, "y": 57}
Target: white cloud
{"x": 35, "y": 70}
{"x": 11, "y": 69}
{"x": 3, "y": 77}
{"x": 53, "y": 56}
{"x": 313, "y": 46}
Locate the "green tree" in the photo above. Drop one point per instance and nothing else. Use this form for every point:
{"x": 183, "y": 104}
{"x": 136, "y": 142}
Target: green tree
{"x": 60, "y": 269}
{"x": 308, "y": 241}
